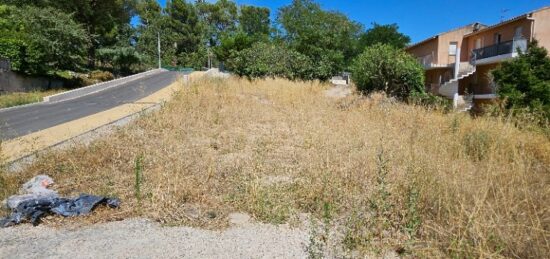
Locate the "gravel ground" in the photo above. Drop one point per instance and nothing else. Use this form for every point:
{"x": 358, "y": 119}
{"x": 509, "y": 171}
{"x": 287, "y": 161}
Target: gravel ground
{"x": 141, "y": 238}
{"x": 339, "y": 91}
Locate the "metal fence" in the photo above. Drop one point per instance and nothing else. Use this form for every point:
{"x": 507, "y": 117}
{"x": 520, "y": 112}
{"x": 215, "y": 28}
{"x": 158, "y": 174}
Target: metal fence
{"x": 178, "y": 69}
{"x": 502, "y": 48}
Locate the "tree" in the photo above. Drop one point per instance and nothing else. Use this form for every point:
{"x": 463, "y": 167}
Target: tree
{"x": 385, "y": 34}
{"x": 524, "y": 82}
{"x": 101, "y": 19}
{"x": 254, "y": 21}
{"x": 181, "y": 32}
{"x": 230, "y": 45}
{"x": 48, "y": 40}
{"x": 149, "y": 11}
{"x": 254, "y": 26}
{"x": 220, "y": 18}
{"x": 386, "y": 68}
{"x": 122, "y": 58}
{"x": 327, "y": 38}
{"x": 152, "y": 22}
{"x": 184, "y": 25}
{"x": 270, "y": 60}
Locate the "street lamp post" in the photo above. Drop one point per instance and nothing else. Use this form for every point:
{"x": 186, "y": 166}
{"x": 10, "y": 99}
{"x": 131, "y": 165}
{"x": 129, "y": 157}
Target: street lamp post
{"x": 158, "y": 45}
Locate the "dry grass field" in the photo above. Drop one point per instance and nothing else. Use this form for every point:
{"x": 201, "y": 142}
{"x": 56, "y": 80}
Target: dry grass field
{"x": 373, "y": 174}
{"x": 14, "y": 99}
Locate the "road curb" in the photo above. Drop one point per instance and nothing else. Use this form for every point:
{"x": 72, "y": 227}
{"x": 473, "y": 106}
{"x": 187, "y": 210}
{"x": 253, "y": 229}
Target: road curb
{"x": 91, "y": 89}
{"x": 22, "y": 157}
{"x": 48, "y": 99}
{"x": 83, "y": 138}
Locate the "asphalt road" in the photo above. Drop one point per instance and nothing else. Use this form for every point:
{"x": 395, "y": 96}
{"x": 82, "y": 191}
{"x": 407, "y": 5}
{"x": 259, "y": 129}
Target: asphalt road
{"x": 28, "y": 119}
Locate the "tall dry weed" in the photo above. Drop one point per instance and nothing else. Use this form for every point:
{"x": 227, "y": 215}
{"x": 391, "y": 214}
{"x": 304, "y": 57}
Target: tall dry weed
{"x": 380, "y": 173}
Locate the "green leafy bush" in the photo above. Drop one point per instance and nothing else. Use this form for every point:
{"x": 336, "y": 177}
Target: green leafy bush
{"x": 388, "y": 69}
{"x": 524, "y": 82}
{"x": 119, "y": 59}
{"x": 42, "y": 40}
{"x": 328, "y": 38}
{"x": 14, "y": 51}
{"x": 269, "y": 60}
{"x": 101, "y": 76}
{"x": 430, "y": 100}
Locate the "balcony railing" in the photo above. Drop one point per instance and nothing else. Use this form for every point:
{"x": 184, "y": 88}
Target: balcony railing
{"x": 426, "y": 61}
{"x": 507, "y": 47}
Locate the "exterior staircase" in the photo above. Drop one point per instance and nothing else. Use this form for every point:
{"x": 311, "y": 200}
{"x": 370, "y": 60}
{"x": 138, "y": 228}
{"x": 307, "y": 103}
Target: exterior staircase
{"x": 463, "y": 103}
{"x": 450, "y": 88}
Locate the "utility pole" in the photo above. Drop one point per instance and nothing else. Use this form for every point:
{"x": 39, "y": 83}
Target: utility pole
{"x": 158, "y": 45}
{"x": 209, "y": 59}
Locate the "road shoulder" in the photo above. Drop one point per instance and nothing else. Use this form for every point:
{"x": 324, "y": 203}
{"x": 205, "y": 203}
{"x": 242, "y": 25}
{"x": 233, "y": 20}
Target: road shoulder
{"x": 23, "y": 146}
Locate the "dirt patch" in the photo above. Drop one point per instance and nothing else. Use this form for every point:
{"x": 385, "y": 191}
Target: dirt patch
{"x": 339, "y": 91}
{"x": 141, "y": 238}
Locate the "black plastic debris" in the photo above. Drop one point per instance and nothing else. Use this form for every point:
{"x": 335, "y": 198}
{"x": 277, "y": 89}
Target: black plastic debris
{"x": 35, "y": 209}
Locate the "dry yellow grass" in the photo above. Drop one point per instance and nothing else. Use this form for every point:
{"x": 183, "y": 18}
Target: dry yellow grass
{"x": 378, "y": 174}
{"x": 14, "y": 99}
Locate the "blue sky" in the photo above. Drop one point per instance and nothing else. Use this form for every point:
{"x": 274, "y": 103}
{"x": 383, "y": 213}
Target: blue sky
{"x": 421, "y": 18}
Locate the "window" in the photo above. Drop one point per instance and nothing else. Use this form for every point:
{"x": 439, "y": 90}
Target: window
{"x": 497, "y": 39}
{"x": 518, "y": 33}
{"x": 452, "y": 48}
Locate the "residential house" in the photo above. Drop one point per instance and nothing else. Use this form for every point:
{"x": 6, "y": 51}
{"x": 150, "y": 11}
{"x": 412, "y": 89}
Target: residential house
{"x": 458, "y": 62}
{"x": 438, "y": 55}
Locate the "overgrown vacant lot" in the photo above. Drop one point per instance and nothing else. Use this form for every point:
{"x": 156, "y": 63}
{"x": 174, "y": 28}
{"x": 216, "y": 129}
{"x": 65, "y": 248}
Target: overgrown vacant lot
{"x": 373, "y": 173}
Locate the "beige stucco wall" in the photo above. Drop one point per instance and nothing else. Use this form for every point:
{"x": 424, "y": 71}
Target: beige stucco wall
{"x": 542, "y": 27}
{"x": 438, "y": 47}
{"x": 427, "y": 48}
{"x": 444, "y": 41}
{"x": 506, "y": 30}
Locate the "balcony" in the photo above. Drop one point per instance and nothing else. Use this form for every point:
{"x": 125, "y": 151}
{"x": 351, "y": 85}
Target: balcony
{"x": 428, "y": 62}
{"x": 498, "y": 52}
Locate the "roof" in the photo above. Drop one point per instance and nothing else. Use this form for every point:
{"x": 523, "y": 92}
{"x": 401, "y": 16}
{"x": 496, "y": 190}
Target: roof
{"x": 513, "y": 19}
{"x": 484, "y": 27}
{"x": 436, "y": 36}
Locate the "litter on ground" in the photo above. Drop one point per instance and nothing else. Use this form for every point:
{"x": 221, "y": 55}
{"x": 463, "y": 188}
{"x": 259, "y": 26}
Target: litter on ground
{"x": 36, "y": 200}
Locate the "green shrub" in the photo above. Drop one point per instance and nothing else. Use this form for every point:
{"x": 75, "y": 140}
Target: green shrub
{"x": 430, "y": 100}
{"x": 119, "y": 59}
{"x": 524, "y": 83}
{"x": 101, "y": 76}
{"x": 386, "y": 68}
{"x": 14, "y": 51}
{"x": 41, "y": 41}
{"x": 270, "y": 60}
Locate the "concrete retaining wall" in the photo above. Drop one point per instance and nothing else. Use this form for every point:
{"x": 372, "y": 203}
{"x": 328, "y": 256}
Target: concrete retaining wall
{"x": 13, "y": 82}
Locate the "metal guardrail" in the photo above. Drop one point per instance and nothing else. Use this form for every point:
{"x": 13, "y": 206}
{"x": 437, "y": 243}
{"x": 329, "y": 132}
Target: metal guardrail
{"x": 507, "y": 47}
{"x": 179, "y": 69}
